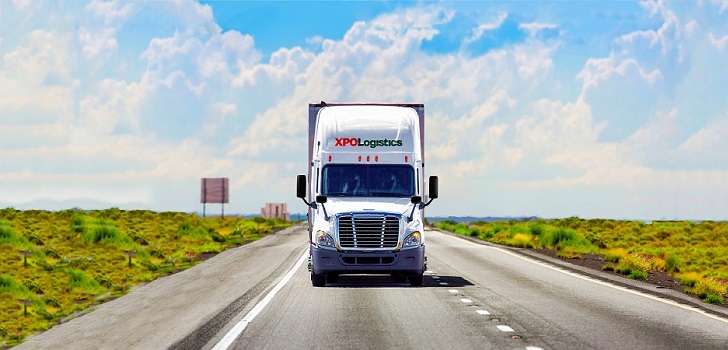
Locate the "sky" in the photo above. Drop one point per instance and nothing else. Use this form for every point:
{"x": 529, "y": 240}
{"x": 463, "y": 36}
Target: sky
{"x": 595, "y": 109}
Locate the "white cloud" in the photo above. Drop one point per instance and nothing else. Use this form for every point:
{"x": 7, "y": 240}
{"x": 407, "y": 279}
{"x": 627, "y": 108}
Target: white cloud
{"x": 668, "y": 33}
{"x": 707, "y": 145}
{"x": 534, "y": 28}
{"x": 113, "y": 12}
{"x": 720, "y": 43}
{"x": 598, "y": 70}
{"x": 486, "y": 27}
{"x": 81, "y": 113}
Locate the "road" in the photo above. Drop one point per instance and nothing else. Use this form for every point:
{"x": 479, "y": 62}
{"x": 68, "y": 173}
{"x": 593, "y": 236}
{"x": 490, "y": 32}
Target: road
{"x": 476, "y": 296}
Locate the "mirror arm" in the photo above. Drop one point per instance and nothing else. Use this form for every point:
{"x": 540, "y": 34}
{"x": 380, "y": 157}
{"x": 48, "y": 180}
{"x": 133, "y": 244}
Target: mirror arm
{"x": 428, "y": 202}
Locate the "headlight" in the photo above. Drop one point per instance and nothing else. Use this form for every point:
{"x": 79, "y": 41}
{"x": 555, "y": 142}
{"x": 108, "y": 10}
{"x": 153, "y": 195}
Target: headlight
{"x": 323, "y": 239}
{"x": 413, "y": 240}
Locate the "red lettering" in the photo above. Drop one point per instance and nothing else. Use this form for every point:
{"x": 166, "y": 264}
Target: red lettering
{"x": 341, "y": 141}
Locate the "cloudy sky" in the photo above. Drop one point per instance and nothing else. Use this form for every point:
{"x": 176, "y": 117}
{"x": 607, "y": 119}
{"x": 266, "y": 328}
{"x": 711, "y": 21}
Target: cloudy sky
{"x": 594, "y": 109}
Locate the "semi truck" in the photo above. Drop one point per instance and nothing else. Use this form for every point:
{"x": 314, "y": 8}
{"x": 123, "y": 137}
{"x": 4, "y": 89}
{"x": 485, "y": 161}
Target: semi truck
{"x": 365, "y": 191}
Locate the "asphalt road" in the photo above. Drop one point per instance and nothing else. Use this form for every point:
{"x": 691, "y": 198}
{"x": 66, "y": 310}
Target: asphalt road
{"x": 476, "y": 296}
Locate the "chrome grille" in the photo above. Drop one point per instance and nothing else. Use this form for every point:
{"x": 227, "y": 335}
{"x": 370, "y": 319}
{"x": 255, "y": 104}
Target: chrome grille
{"x": 368, "y": 231}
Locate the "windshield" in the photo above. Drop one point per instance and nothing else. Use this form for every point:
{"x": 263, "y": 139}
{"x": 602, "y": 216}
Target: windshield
{"x": 353, "y": 180}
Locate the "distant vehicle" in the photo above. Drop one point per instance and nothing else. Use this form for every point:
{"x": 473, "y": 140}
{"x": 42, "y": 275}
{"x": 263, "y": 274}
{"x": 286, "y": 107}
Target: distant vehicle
{"x": 366, "y": 191}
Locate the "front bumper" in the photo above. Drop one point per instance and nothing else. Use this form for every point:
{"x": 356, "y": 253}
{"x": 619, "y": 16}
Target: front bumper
{"x": 402, "y": 262}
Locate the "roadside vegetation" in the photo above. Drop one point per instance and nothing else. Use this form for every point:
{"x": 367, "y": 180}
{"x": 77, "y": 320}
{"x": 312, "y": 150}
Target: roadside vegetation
{"x": 696, "y": 254}
{"x": 54, "y": 265}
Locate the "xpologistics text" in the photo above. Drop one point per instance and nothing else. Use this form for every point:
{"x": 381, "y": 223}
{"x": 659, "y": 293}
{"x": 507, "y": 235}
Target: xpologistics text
{"x": 354, "y": 141}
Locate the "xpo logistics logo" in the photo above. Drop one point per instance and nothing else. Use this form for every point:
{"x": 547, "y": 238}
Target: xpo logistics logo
{"x": 357, "y": 142}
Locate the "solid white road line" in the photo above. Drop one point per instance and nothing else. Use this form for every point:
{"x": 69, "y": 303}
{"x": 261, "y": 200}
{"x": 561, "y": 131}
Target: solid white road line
{"x": 233, "y": 334}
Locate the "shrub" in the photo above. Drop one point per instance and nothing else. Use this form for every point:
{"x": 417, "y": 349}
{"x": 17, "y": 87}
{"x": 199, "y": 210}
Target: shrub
{"x": 79, "y": 279}
{"x": 157, "y": 253}
{"x": 596, "y": 240}
{"x": 615, "y": 255}
{"x": 536, "y": 229}
{"x": 52, "y": 253}
{"x": 631, "y": 263}
{"x": 78, "y": 223}
{"x": 33, "y": 286}
{"x": 216, "y": 236}
{"x": 33, "y": 237}
{"x": 462, "y": 229}
{"x": 558, "y": 235}
{"x": 138, "y": 238}
{"x": 689, "y": 279}
{"x": 709, "y": 290}
{"x": 521, "y": 240}
{"x": 7, "y": 283}
{"x": 638, "y": 275}
{"x": 657, "y": 264}
{"x": 568, "y": 252}
{"x": 672, "y": 263}
{"x": 713, "y": 299}
{"x": 106, "y": 234}
{"x": 8, "y": 235}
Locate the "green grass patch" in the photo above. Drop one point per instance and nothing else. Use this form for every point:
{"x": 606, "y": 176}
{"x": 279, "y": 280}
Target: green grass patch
{"x": 78, "y": 257}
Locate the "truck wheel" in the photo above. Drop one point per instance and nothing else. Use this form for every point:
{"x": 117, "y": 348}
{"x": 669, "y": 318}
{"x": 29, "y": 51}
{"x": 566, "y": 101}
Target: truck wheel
{"x": 318, "y": 280}
{"x": 399, "y": 278}
{"x": 417, "y": 280}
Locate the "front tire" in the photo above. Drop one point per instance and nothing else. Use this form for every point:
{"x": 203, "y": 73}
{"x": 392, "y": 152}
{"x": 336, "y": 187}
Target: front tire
{"x": 417, "y": 280}
{"x": 399, "y": 278}
{"x": 318, "y": 280}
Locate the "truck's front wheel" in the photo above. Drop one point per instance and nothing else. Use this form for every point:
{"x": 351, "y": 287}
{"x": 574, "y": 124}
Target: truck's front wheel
{"x": 318, "y": 280}
{"x": 417, "y": 280}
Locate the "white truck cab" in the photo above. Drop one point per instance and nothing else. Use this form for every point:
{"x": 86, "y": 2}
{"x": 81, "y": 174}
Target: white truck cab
{"x": 366, "y": 191}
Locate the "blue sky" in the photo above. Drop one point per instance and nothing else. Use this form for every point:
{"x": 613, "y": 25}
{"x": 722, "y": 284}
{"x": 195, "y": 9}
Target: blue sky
{"x": 610, "y": 109}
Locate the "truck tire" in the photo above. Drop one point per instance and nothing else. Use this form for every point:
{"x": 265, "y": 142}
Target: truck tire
{"x": 318, "y": 280}
{"x": 417, "y": 280}
{"x": 399, "y": 278}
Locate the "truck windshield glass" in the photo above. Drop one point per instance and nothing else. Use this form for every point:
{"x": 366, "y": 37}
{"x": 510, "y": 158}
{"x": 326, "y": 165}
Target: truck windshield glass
{"x": 353, "y": 180}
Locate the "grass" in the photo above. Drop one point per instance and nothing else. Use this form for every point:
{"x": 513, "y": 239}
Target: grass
{"x": 77, "y": 258}
{"x": 694, "y": 253}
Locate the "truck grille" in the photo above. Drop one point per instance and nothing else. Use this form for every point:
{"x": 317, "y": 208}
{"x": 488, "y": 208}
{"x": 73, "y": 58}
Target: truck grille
{"x": 368, "y": 231}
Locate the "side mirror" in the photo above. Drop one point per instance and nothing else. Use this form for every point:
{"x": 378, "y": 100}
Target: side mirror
{"x": 321, "y": 199}
{"x": 416, "y": 199}
{"x": 301, "y": 186}
{"x": 433, "y": 187}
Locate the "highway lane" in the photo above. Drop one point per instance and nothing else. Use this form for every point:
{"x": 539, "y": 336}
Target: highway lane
{"x": 477, "y": 297}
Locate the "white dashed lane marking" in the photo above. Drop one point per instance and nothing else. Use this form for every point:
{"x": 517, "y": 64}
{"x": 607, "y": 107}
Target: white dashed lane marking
{"x": 482, "y": 312}
{"x": 466, "y": 300}
{"x": 505, "y": 328}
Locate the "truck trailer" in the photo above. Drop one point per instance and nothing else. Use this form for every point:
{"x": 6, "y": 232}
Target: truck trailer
{"x": 365, "y": 190}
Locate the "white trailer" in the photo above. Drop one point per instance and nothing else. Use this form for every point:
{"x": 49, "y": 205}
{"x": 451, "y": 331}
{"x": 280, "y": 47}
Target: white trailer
{"x": 366, "y": 191}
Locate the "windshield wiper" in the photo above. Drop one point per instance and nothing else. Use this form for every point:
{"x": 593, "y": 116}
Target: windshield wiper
{"x": 386, "y": 194}
{"x": 337, "y": 194}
